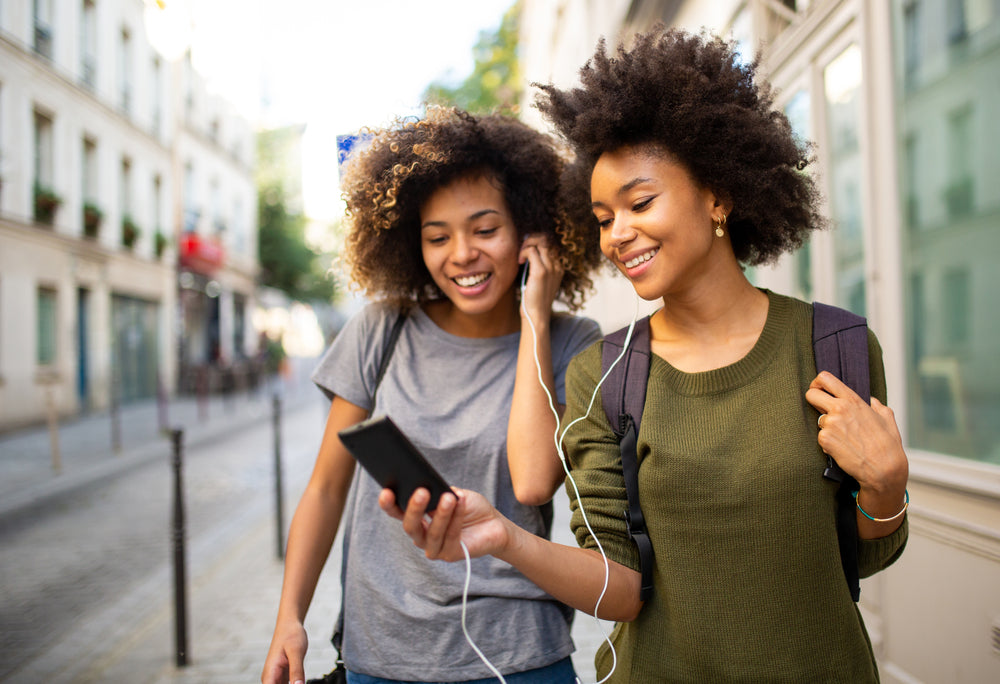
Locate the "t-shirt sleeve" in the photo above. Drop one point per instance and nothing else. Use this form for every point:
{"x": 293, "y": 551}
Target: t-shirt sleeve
{"x": 570, "y": 336}
{"x": 595, "y": 461}
{"x": 350, "y": 366}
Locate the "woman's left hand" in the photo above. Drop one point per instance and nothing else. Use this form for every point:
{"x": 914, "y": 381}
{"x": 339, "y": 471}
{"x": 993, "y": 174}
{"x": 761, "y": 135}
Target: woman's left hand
{"x": 862, "y": 438}
{"x": 545, "y": 273}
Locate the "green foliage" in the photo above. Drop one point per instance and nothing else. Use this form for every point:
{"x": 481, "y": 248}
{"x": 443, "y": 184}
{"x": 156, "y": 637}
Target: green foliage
{"x": 130, "y": 231}
{"x": 287, "y": 262}
{"x": 495, "y": 83}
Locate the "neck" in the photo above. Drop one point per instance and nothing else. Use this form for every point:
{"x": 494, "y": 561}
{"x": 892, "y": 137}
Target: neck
{"x": 503, "y": 319}
{"x": 717, "y": 306}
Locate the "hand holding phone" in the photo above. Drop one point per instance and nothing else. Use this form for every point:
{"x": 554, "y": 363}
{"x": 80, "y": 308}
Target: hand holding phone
{"x": 388, "y": 455}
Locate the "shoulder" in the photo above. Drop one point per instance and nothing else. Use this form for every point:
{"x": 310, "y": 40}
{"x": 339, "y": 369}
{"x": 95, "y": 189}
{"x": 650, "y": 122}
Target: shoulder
{"x": 573, "y": 333}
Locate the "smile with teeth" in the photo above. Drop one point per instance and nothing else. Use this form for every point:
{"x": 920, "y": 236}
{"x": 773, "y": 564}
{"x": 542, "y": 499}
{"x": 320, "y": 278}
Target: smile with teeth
{"x": 645, "y": 256}
{"x": 471, "y": 280}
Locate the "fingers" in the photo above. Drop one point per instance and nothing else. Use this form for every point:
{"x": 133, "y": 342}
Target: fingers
{"x": 387, "y": 502}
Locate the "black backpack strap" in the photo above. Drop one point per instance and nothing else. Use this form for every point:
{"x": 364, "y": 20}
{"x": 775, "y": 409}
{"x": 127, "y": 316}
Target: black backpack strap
{"x": 840, "y": 345}
{"x": 624, "y": 397}
{"x": 338, "y": 629}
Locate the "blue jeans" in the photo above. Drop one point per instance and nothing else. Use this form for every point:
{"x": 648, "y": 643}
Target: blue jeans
{"x": 561, "y": 672}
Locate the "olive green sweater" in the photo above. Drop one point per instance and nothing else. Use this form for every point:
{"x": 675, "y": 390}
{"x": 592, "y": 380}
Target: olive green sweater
{"x": 748, "y": 584}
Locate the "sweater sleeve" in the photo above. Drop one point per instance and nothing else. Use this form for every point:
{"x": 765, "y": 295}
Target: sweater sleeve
{"x": 878, "y": 554}
{"x": 596, "y": 486}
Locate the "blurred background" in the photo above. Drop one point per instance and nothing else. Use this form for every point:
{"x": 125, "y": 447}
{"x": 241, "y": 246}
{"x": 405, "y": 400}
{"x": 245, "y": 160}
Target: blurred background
{"x": 169, "y": 230}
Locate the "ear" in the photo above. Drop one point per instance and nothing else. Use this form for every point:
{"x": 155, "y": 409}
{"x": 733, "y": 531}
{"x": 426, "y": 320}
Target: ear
{"x": 720, "y": 203}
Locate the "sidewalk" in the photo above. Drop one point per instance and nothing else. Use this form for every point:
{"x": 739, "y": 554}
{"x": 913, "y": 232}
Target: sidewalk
{"x": 86, "y": 450}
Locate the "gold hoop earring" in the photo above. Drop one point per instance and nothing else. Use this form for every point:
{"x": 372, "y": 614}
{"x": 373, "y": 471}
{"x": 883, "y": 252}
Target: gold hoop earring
{"x": 719, "y": 222}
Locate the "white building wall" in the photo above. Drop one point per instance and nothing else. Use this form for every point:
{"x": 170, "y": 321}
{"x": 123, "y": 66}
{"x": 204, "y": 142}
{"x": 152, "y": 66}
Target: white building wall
{"x": 61, "y": 256}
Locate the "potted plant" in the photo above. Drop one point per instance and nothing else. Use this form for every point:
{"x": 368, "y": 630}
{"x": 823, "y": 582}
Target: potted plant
{"x": 130, "y": 231}
{"x": 46, "y": 204}
{"x": 159, "y": 243}
{"x": 92, "y": 216}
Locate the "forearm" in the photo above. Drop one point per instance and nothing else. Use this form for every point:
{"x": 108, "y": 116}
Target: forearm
{"x": 575, "y": 576}
{"x": 310, "y": 538}
{"x": 535, "y": 468}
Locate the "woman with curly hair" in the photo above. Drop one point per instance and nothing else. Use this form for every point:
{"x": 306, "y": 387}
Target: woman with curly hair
{"x": 693, "y": 177}
{"x": 444, "y": 213}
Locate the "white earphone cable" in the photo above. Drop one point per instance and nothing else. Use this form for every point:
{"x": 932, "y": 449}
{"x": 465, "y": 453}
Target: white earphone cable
{"x": 559, "y": 439}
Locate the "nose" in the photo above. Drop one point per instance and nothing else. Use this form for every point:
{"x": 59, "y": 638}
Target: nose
{"x": 620, "y": 232}
{"x": 463, "y": 250}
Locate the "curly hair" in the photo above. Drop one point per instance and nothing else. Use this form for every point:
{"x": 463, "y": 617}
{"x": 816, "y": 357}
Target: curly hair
{"x": 386, "y": 184}
{"x": 693, "y": 97}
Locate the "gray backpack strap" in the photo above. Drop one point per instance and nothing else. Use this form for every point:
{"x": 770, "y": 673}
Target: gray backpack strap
{"x": 624, "y": 396}
{"x": 840, "y": 345}
{"x": 338, "y": 629}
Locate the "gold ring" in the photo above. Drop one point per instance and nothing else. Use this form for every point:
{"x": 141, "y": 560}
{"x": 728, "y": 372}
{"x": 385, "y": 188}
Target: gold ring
{"x": 819, "y": 421}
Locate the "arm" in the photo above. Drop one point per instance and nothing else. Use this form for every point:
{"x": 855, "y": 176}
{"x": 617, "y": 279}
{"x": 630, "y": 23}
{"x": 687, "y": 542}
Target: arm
{"x": 310, "y": 537}
{"x": 572, "y": 575}
{"x": 535, "y": 467}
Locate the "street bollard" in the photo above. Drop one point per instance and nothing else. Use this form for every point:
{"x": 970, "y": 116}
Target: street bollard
{"x": 177, "y": 538}
{"x": 116, "y": 423}
{"x": 161, "y": 405}
{"x": 53, "y": 422}
{"x": 278, "y": 507}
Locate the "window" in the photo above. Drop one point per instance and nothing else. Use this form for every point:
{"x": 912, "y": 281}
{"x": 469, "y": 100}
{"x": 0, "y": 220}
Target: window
{"x": 842, "y": 87}
{"x": 45, "y": 202}
{"x": 191, "y": 212}
{"x": 946, "y": 131}
{"x": 125, "y": 71}
{"x": 47, "y": 301}
{"x": 911, "y": 41}
{"x": 43, "y": 150}
{"x": 911, "y": 181}
{"x": 798, "y": 110}
{"x": 88, "y": 44}
{"x": 155, "y": 87}
{"x": 42, "y": 16}
{"x": 959, "y": 191}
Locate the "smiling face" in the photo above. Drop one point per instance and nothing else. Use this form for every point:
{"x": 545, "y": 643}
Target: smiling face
{"x": 470, "y": 247}
{"x": 657, "y": 223}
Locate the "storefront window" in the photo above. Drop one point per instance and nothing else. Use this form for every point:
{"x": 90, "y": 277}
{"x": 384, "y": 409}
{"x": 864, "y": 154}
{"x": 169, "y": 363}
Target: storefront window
{"x": 842, "y": 87}
{"x": 798, "y": 112}
{"x": 947, "y": 58}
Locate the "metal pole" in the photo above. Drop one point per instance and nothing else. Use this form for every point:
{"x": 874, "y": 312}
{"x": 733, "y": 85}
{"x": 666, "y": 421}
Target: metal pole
{"x": 278, "y": 507}
{"x": 161, "y": 404}
{"x": 116, "y": 425}
{"x": 53, "y": 422}
{"x": 177, "y": 538}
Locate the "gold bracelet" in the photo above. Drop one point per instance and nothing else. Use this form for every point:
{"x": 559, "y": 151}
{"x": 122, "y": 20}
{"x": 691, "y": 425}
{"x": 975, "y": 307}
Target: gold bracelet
{"x": 906, "y": 505}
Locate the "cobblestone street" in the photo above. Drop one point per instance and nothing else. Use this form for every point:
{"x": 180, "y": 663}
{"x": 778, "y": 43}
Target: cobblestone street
{"x": 86, "y": 555}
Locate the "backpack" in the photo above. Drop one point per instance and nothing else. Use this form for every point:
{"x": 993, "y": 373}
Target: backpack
{"x": 840, "y": 345}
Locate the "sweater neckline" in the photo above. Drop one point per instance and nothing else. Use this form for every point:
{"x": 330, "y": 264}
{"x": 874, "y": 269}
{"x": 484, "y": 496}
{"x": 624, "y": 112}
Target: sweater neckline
{"x": 739, "y": 373}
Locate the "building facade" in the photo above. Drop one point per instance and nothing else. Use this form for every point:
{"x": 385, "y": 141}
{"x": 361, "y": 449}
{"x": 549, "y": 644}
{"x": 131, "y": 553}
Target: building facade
{"x": 94, "y": 137}
{"x": 901, "y": 99}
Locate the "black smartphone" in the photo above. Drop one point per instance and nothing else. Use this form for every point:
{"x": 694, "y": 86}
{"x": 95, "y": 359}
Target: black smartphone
{"x": 389, "y": 456}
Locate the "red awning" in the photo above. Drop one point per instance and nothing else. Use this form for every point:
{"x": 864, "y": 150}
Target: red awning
{"x": 200, "y": 253}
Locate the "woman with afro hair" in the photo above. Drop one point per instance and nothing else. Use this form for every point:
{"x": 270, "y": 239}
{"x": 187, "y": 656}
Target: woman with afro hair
{"x": 693, "y": 177}
{"x": 445, "y": 213}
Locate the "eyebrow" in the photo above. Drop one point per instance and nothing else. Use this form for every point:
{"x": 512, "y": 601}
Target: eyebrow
{"x": 625, "y": 188}
{"x": 472, "y": 217}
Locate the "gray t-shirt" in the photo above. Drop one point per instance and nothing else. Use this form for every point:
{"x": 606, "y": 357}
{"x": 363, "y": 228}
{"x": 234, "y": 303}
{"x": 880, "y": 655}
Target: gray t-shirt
{"x": 451, "y": 396}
